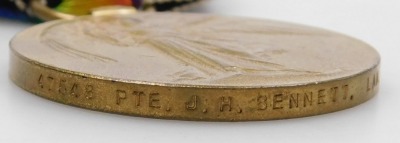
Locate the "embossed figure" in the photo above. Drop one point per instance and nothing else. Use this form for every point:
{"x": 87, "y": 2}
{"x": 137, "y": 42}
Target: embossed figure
{"x": 210, "y": 45}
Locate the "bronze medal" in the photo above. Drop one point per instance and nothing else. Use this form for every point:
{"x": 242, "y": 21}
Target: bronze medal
{"x": 194, "y": 66}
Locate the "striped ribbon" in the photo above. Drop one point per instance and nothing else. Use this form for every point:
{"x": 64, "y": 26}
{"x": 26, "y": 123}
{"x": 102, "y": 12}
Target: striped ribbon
{"x": 19, "y": 9}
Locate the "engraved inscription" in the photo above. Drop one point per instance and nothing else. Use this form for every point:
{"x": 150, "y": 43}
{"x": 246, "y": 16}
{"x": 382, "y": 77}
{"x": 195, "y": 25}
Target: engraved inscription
{"x": 334, "y": 93}
{"x": 346, "y": 91}
{"x": 294, "y": 100}
{"x": 74, "y": 90}
{"x": 277, "y": 101}
{"x": 64, "y": 87}
{"x": 262, "y": 102}
{"x": 307, "y": 99}
{"x": 123, "y": 97}
{"x": 321, "y": 96}
{"x": 372, "y": 82}
{"x": 50, "y": 79}
{"x": 40, "y": 81}
{"x": 88, "y": 91}
{"x": 192, "y": 104}
{"x": 225, "y": 104}
{"x": 138, "y": 95}
{"x": 154, "y": 100}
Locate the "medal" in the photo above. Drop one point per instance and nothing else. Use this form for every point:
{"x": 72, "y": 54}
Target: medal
{"x": 193, "y": 66}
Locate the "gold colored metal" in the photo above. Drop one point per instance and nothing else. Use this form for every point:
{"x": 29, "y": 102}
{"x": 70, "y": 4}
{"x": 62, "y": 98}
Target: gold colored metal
{"x": 194, "y": 67}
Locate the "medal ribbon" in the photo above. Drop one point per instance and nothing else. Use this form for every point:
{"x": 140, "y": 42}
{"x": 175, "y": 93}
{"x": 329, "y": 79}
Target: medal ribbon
{"x": 19, "y": 9}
